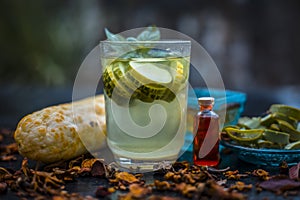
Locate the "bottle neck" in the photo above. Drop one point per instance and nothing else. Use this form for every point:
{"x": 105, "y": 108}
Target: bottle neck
{"x": 206, "y": 107}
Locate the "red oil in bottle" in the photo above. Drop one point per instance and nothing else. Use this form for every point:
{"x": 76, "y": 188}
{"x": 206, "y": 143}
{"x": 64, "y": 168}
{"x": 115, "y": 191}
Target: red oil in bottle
{"x": 206, "y": 134}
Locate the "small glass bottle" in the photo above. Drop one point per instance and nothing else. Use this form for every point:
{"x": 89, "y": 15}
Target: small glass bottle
{"x": 206, "y": 134}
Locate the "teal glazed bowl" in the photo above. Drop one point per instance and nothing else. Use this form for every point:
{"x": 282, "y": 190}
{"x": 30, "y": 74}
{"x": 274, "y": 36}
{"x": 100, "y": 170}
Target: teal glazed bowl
{"x": 232, "y": 101}
{"x": 270, "y": 157}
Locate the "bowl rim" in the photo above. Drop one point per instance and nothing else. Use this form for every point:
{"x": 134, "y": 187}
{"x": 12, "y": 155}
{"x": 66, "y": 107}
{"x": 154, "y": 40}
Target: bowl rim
{"x": 262, "y": 150}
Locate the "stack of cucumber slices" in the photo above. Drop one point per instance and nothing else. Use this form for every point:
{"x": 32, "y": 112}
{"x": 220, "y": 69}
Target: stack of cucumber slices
{"x": 146, "y": 79}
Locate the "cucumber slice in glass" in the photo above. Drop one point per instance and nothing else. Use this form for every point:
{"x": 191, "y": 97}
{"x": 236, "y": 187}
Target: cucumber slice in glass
{"x": 150, "y": 73}
{"x": 179, "y": 76}
{"x": 113, "y": 88}
{"x": 152, "y": 81}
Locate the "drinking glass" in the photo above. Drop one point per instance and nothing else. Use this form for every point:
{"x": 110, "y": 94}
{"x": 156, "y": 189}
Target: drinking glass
{"x": 145, "y": 89}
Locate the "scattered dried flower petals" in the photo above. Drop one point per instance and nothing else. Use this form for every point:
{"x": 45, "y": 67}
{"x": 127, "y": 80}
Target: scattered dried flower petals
{"x": 27, "y": 182}
{"x": 184, "y": 179}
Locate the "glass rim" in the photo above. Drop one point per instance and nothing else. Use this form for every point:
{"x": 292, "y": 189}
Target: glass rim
{"x": 175, "y": 41}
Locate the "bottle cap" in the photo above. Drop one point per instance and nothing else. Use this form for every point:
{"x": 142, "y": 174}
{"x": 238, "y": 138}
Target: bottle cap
{"x": 206, "y": 101}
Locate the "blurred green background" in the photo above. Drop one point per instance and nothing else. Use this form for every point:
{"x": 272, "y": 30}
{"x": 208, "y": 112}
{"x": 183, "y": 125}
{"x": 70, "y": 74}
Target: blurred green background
{"x": 255, "y": 44}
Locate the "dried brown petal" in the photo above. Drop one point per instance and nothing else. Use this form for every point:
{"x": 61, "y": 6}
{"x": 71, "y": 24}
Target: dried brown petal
{"x": 88, "y": 163}
{"x": 162, "y": 185}
{"x": 125, "y": 176}
{"x": 66, "y": 175}
{"x": 222, "y": 182}
{"x": 111, "y": 190}
{"x": 156, "y": 197}
{"x": 122, "y": 187}
{"x": 137, "y": 191}
{"x": 240, "y": 186}
{"x": 201, "y": 176}
{"x": 138, "y": 175}
{"x": 5, "y": 132}
{"x": 98, "y": 169}
{"x": 188, "y": 178}
{"x": 84, "y": 171}
{"x": 279, "y": 184}
{"x": 229, "y": 173}
{"x": 185, "y": 189}
{"x": 3, "y": 188}
{"x": 76, "y": 162}
{"x": 214, "y": 170}
{"x": 24, "y": 167}
{"x": 169, "y": 175}
{"x": 180, "y": 186}
{"x": 284, "y": 168}
{"x": 8, "y": 158}
{"x": 217, "y": 192}
{"x": 4, "y": 172}
{"x": 234, "y": 175}
{"x": 291, "y": 193}
{"x": 262, "y": 174}
{"x": 177, "y": 178}
{"x": 12, "y": 148}
{"x": 61, "y": 164}
{"x": 102, "y": 192}
{"x": 181, "y": 165}
{"x": 294, "y": 171}
{"x": 189, "y": 190}
{"x": 58, "y": 198}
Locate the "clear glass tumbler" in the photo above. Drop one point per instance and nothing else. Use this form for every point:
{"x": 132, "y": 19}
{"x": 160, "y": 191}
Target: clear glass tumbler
{"x": 145, "y": 88}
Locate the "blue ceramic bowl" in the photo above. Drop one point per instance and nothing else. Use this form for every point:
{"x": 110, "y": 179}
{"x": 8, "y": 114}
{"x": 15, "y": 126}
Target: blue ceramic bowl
{"x": 232, "y": 101}
{"x": 271, "y": 157}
